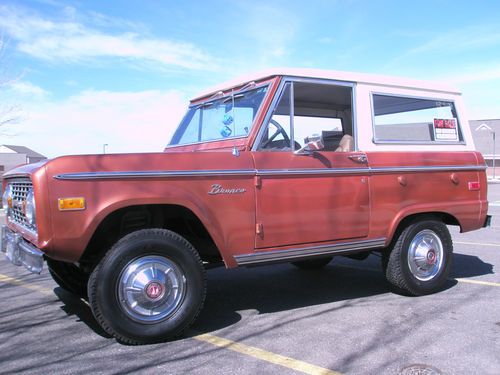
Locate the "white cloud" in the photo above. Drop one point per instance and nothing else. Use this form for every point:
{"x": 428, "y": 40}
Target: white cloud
{"x": 127, "y": 121}
{"x": 72, "y": 41}
{"x": 25, "y": 88}
{"x": 446, "y": 48}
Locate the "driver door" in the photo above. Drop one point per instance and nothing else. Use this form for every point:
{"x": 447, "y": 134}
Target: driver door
{"x": 313, "y": 197}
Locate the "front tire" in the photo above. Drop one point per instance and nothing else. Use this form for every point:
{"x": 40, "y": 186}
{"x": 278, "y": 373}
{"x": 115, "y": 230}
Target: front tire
{"x": 69, "y": 277}
{"x": 149, "y": 287}
{"x": 420, "y": 259}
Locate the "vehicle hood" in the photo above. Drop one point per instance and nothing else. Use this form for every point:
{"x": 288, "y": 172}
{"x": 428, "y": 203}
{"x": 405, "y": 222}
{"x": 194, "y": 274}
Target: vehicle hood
{"x": 124, "y": 165}
{"x": 26, "y": 169}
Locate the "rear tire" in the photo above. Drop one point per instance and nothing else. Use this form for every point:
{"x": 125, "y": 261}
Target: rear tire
{"x": 148, "y": 288}
{"x": 69, "y": 277}
{"x": 312, "y": 264}
{"x": 420, "y": 259}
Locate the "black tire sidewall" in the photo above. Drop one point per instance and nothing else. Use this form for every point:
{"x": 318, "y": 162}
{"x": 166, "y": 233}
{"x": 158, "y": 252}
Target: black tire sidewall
{"x": 429, "y": 286}
{"x": 68, "y": 277}
{"x": 130, "y": 248}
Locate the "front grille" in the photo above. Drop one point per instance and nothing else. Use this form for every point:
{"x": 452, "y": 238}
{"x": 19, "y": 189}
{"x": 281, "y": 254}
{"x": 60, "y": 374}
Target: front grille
{"x": 20, "y": 189}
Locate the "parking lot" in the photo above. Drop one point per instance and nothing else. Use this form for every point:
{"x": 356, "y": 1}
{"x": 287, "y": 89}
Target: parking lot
{"x": 278, "y": 319}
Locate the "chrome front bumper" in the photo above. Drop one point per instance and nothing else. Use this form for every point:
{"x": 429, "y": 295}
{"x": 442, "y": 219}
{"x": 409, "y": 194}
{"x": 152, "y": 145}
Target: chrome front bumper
{"x": 21, "y": 252}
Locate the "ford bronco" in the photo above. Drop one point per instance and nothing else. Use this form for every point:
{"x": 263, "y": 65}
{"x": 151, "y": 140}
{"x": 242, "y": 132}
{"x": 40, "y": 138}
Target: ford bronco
{"x": 288, "y": 166}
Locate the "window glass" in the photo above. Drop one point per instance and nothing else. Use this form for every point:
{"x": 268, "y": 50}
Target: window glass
{"x": 321, "y": 111}
{"x": 407, "y": 119}
{"x": 226, "y": 117}
{"x": 277, "y": 135}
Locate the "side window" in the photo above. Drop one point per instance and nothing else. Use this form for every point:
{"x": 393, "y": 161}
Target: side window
{"x": 277, "y": 136}
{"x": 414, "y": 120}
{"x": 320, "y": 111}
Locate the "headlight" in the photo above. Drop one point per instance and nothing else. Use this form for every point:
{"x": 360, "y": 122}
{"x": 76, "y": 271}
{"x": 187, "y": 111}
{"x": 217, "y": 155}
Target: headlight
{"x": 7, "y": 199}
{"x": 30, "y": 208}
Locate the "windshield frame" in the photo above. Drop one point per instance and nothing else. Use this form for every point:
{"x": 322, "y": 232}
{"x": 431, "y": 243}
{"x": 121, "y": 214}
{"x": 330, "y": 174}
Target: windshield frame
{"x": 222, "y": 96}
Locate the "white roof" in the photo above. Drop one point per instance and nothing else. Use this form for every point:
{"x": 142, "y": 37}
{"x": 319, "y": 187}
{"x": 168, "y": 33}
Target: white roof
{"x": 364, "y": 78}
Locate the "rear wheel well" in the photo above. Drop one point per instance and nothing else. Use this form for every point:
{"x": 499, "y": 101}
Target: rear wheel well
{"x": 130, "y": 219}
{"x": 439, "y": 216}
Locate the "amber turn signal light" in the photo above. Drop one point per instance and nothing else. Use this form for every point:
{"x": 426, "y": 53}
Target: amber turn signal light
{"x": 68, "y": 204}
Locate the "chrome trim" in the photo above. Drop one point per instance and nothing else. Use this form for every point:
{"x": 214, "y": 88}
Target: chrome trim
{"x": 289, "y": 254}
{"x": 279, "y": 92}
{"x": 20, "y": 252}
{"x": 152, "y": 174}
{"x": 233, "y": 138}
{"x": 20, "y": 190}
{"x": 354, "y": 116}
{"x": 263, "y": 125}
{"x": 292, "y": 116}
{"x": 416, "y": 143}
{"x": 263, "y": 172}
{"x": 436, "y": 168}
{"x": 306, "y": 172}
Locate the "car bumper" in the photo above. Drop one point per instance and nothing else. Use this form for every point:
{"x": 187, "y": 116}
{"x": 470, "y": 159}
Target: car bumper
{"x": 21, "y": 252}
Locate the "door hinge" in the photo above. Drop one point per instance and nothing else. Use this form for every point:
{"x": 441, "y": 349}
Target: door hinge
{"x": 259, "y": 228}
{"x": 258, "y": 182}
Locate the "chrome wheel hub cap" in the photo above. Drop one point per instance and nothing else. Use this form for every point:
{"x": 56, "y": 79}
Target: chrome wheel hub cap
{"x": 151, "y": 288}
{"x": 425, "y": 255}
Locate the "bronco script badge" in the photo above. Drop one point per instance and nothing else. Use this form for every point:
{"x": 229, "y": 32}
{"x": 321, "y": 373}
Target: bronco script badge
{"x": 218, "y": 189}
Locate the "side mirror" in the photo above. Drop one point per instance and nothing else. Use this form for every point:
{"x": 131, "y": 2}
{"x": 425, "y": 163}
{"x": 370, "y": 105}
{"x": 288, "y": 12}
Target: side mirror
{"x": 313, "y": 143}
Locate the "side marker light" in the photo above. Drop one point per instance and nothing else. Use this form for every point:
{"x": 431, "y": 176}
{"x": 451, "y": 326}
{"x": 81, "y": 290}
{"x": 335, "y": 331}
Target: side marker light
{"x": 473, "y": 186}
{"x": 71, "y": 204}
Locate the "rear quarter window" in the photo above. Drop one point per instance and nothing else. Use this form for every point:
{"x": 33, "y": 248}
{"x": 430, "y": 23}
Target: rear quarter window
{"x": 403, "y": 119}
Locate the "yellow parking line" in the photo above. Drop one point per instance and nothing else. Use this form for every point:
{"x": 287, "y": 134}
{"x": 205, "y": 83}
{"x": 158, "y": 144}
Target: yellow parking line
{"x": 477, "y": 243}
{"x": 460, "y": 280}
{"x": 478, "y": 282}
{"x": 264, "y": 355}
{"x": 23, "y": 284}
{"x": 220, "y": 342}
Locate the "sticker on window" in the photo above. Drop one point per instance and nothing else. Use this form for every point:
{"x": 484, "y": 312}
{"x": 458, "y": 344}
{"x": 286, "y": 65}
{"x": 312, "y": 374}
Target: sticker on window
{"x": 445, "y": 129}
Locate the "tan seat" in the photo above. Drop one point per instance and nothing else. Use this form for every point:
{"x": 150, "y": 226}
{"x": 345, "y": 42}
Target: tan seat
{"x": 346, "y": 144}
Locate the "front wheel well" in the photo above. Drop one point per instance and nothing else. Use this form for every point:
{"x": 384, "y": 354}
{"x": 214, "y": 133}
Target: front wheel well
{"x": 126, "y": 220}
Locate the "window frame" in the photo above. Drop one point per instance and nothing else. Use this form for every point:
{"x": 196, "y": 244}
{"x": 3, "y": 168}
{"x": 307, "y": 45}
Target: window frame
{"x": 376, "y": 141}
{"x": 278, "y": 95}
{"x": 225, "y": 95}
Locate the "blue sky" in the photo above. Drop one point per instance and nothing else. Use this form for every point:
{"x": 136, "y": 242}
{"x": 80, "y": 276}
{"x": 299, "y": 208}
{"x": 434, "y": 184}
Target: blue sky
{"x": 85, "y": 73}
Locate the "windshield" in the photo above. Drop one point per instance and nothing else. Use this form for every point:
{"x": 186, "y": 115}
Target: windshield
{"x": 225, "y": 117}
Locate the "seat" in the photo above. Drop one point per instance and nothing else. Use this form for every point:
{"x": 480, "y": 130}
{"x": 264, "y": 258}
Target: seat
{"x": 346, "y": 144}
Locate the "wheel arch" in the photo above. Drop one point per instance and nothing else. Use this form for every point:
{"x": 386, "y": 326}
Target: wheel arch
{"x": 403, "y": 221}
{"x": 127, "y": 219}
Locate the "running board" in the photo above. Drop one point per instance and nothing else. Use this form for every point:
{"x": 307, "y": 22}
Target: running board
{"x": 305, "y": 252}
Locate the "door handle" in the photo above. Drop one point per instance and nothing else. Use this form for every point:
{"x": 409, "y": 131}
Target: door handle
{"x": 359, "y": 158}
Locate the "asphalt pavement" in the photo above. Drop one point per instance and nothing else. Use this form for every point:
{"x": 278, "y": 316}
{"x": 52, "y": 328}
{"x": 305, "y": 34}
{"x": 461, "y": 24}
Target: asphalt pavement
{"x": 278, "y": 319}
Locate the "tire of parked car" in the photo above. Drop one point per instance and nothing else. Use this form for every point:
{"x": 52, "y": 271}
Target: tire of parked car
{"x": 149, "y": 287}
{"x": 419, "y": 261}
{"x": 69, "y": 277}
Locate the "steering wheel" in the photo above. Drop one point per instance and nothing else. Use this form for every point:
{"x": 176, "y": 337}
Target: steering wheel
{"x": 279, "y": 130}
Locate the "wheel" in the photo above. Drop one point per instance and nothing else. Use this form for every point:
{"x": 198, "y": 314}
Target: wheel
{"x": 149, "y": 287}
{"x": 312, "y": 264}
{"x": 69, "y": 277}
{"x": 420, "y": 259}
